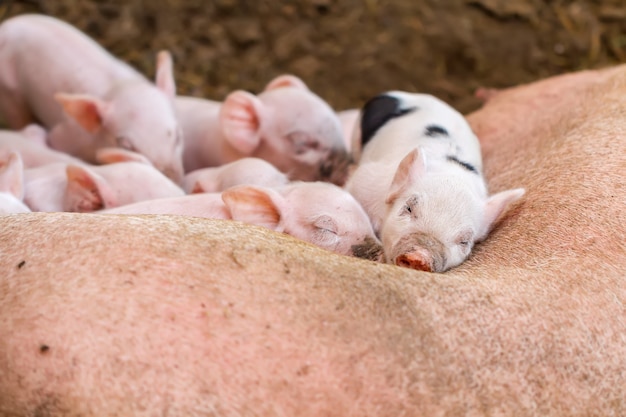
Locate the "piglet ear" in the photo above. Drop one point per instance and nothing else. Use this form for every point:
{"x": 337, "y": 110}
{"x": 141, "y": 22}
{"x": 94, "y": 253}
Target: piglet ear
{"x": 113, "y": 155}
{"x": 496, "y": 206}
{"x": 86, "y": 191}
{"x": 87, "y": 110}
{"x": 411, "y": 168}
{"x": 240, "y": 121}
{"x": 12, "y": 175}
{"x": 165, "y": 74}
{"x": 286, "y": 81}
{"x": 254, "y": 205}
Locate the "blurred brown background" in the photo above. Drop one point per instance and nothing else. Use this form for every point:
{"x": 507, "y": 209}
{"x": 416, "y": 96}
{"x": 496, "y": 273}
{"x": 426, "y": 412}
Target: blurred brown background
{"x": 350, "y": 50}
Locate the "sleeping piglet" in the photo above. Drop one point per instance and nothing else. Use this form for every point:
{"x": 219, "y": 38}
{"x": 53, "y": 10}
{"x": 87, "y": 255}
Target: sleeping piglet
{"x": 287, "y": 125}
{"x": 249, "y": 171}
{"x": 317, "y": 212}
{"x": 420, "y": 180}
{"x": 11, "y": 183}
{"x": 125, "y": 178}
{"x": 53, "y": 73}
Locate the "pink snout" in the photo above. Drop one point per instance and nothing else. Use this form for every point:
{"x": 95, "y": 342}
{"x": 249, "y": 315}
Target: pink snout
{"x": 419, "y": 251}
{"x": 420, "y": 260}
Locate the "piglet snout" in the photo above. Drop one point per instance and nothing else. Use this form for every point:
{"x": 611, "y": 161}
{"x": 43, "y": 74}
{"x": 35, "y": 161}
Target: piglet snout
{"x": 421, "y": 252}
{"x": 370, "y": 249}
{"x": 416, "y": 260}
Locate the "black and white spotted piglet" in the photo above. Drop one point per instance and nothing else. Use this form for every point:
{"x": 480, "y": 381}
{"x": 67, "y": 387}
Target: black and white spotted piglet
{"x": 420, "y": 180}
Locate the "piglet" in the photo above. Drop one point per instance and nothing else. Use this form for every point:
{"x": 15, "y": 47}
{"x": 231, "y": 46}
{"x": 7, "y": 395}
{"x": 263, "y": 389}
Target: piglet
{"x": 31, "y": 144}
{"x": 11, "y": 183}
{"x": 53, "y": 73}
{"x": 85, "y": 188}
{"x": 286, "y": 125}
{"x": 249, "y": 171}
{"x": 317, "y": 212}
{"x": 420, "y": 180}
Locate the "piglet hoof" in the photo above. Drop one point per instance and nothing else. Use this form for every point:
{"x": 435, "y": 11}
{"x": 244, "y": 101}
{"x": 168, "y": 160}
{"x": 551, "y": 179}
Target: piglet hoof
{"x": 414, "y": 261}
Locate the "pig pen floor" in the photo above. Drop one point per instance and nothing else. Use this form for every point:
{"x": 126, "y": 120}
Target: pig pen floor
{"x": 350, "y": 50}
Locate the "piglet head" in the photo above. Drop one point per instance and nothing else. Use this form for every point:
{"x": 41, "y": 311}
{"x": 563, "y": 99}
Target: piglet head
{"x": 290, "y": 127}
{"x": 137, "y": 116}
{"x": 434, "y": 218}
{"x": 317, "y": 212}
{"x": 330, "y": 217}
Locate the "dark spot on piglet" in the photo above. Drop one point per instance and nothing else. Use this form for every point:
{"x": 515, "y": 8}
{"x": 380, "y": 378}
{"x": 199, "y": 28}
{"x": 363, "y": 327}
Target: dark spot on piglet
{"x": 335, "y": 168}
{"x": 466, "y": 165}
{"x": 44, "y": 349}
{"x": 435, "y": 131}
{"x": 378, "y": 111}
{"x": 370, "y": 249}
{"x": 21, "y": 264}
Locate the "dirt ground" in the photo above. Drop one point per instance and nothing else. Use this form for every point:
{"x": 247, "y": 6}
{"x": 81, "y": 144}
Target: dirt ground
{"x": 350, "y": 50}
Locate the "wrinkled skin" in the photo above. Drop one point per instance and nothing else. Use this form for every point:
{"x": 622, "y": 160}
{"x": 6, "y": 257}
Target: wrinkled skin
{"x": 163, "y": 315}
{"x": 319, "y": 213}
{"x": 420, "y": 180}
{"x": 250, "y": 171}
{"x": 52, "y": 73}
{"x": 286, "y": 124}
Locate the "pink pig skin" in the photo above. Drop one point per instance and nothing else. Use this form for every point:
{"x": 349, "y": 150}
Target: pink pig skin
{"x": 11, "y": 183}
{"x": 53, "y": 73}
{"x": 317, "y": 212}
{"x": 85, "y": 188}
{"x": 287, "y": 125}
{"x": 30, "y": 142}
{"x": 349, "y": 120}
{"x": 208, "y": 205}
{"x": 249, "y": 171}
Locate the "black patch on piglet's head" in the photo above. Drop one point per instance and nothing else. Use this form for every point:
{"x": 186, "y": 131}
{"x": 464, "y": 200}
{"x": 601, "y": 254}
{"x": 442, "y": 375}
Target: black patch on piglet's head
{"x": 378, "y": 111}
